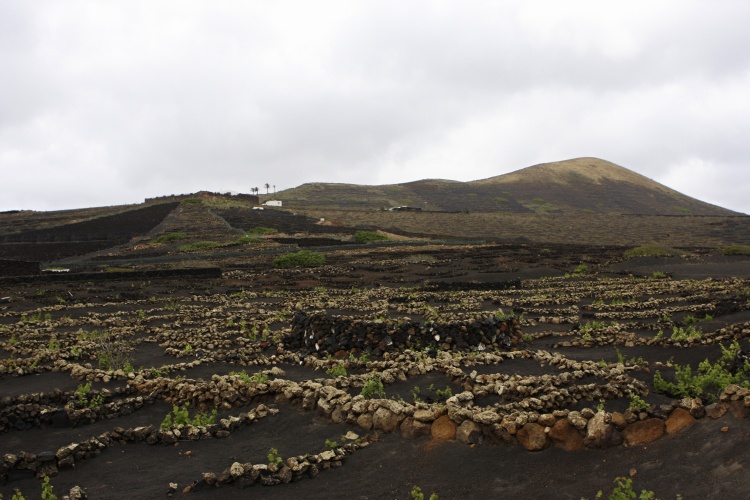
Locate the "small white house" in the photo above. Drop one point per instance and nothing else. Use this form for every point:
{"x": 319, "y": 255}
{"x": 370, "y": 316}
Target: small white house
{"x": 272, "y": 203}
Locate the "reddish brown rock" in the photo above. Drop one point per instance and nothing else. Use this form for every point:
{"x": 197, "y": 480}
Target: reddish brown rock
{"x": 679, "y": 420}
{"x": 532, "y": 437}
{"x": 566, "y": 436}
{"x": 443, "y": 428}
{"x": 643, "y": 432}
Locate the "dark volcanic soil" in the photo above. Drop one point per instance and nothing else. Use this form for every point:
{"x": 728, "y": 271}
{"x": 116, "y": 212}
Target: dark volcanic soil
{"x": 192, "y": 330}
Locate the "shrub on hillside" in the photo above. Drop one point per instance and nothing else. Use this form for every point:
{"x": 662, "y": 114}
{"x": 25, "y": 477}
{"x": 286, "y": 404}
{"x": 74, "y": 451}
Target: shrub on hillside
{"x": 651, "y": 251}
{"x": 170, "y": 237}
{"x": 368, "y": 236}
{"x": 736, "y": 250}
{"x": 199, "y": 245}
{"x": 260, "y": 230}
{"x": 303, "y": 258}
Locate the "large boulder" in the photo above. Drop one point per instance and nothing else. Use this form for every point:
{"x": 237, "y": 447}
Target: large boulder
{"x": 532, "y": 437}
{"x": 600, "y": 432}
{"x": 385, "y": 419}
{"x": 469, "y": 432}
{"x": 643, "y": 432}
{"x": 679, "y": 420}
{"x": 443, "y": 428}
{"x": 565, "y": 435}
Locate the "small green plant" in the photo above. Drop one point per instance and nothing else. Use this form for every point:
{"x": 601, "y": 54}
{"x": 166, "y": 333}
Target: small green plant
{"x": 255, "y": 378}
{"x": 373, "y": 388}
{"x": 47, "y": 488}
{"x": 54, "y": 345}
{"x": 658, "y": 275}
{"x": 443, "y": 394}
{"x": 303, "y": 258}
{"x": 82, "y": 397}
{"x": 593, "y": 325}
{"x": 580, "y": 270}
{"x": 17, "y": 495}
{"x": 500, "y": 314}
{"x": 187, "y": 349}
{"x": 273, "y": 457}
{"x": 181, "y": 416}
{"x": 637, "y": 403}
{"x": 692, "y": 319}
{"x": 415, "y": 394}
{"x": 687, "y": 333}
{"x": 528, "y": 338}
{"x": 600, "y": 406}
{"x": 368, "y": 237}
{"x": 623, "y": 490}
{"x": 331, "y": 444}
{"x": 337, "y": 370}
{"x": 416, "y": 494}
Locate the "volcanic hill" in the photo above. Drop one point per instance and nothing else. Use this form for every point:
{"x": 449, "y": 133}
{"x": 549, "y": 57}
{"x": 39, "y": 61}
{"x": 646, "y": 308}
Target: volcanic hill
{"x": 581, "y": 185}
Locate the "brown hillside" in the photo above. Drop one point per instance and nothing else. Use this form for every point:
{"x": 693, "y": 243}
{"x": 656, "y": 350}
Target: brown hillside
{"x": 582, "y": 185}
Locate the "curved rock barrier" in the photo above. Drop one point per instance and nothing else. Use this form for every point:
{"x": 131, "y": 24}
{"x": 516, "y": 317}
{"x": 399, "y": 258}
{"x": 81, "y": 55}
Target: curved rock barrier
{"x": 323, "y": 335}
{"x": 49, "y": 463}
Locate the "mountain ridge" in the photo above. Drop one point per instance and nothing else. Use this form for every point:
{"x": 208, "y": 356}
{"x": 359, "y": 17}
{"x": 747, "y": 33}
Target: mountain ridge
{"x": 578, "y": 185}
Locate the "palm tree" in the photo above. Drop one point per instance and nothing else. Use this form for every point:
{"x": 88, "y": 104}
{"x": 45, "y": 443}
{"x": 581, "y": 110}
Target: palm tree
{"x": 267, "y": 186}
{"x": 274, "y": 189}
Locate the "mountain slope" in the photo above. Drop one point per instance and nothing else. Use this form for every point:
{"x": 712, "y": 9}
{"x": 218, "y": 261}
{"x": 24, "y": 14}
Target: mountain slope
{"x": 581, "y": 185}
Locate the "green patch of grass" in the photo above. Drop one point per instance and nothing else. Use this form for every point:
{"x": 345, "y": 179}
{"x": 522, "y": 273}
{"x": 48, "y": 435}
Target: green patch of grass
{"x": 191, "y": 201}
{"x": 736, "y": 250}
{"x": 651, "y": 251}
{"x": 170, "y": 237}
{"x": 368, "y": 236}
{"x": 248, "y": 239}
{"x": 303, "y": 258}
{"x": 262, "y": 230}
{"x": 500, "y": 199}
{"x": 658, "y": 275}
{"x": 199, "y": 245}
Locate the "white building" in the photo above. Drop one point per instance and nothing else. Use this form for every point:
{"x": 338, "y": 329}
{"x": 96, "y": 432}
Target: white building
{"x": 272, "y": 203}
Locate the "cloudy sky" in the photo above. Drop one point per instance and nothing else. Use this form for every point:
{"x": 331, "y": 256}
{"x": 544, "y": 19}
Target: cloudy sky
{"x": 105, "y": 103}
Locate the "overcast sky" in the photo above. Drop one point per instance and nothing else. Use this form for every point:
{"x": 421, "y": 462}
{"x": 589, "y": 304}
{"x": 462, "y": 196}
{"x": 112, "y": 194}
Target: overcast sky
{"x": 109, "y": 102}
